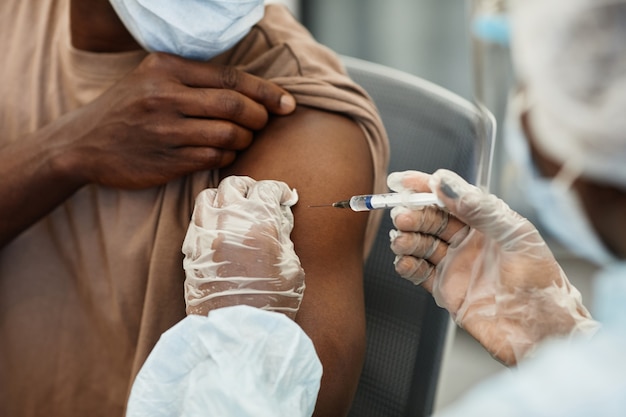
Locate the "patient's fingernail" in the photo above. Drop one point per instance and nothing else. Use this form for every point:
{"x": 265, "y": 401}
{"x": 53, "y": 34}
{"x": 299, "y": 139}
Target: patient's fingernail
{"x": 448, "y": 191}
{"x": 287, "y": 103}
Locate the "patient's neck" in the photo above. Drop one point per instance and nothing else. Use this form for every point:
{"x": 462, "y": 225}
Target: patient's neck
{"x": 95, "y": 27}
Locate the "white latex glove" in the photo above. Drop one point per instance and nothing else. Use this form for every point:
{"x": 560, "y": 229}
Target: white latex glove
{"x": 486, "y": 264}
{"x": 238, "y": 250}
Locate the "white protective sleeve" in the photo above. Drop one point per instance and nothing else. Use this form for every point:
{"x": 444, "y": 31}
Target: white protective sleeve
{"x": 237, "y": 361}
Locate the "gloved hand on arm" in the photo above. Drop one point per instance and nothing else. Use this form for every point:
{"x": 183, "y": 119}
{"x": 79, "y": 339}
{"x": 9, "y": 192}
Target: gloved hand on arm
{"x": 238, "y": 248}
{"x": 486, "y": 264}
{"x": 229, "y": 356}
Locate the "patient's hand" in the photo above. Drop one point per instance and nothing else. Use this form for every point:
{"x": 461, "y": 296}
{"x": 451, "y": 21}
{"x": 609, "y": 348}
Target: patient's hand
{"x": 238, "y": 248}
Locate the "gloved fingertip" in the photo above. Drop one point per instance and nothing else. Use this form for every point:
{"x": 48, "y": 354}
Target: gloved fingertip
{"x": 447, "y": 190}
{"x": 400, "y": 211}
{"x": 290, "y": 197}
{"x": 409, "y": 180}
{"x": 206, "y": 197}
{"x": 238, "y": 182}
{"x": 204, "y": 203}
{"x": 233, "y": 189}
{"x": 449, "y": 184}
{"x": 273, "y": 191}
{"x": 394, "y": 181}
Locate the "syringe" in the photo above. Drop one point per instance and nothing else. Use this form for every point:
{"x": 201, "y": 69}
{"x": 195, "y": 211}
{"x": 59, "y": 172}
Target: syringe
{"x": 383, "y": 201}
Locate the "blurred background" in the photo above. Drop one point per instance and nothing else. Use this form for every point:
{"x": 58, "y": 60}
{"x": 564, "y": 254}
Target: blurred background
{"x": 460, "y": 45}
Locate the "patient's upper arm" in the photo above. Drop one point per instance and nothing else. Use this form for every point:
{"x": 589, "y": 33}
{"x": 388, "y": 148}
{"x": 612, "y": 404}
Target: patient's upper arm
{"x": 325, "y": 157}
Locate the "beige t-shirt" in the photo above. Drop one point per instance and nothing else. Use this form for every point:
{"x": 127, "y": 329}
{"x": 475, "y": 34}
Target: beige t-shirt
{"x": 86, "y": 292}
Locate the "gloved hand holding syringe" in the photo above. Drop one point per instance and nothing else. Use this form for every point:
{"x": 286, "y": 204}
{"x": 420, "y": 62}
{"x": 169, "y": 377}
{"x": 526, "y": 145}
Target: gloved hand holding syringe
{"x": 389, "y": 200}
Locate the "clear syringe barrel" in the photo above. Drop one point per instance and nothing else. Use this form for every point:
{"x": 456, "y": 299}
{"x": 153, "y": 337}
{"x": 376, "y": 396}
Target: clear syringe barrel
{"x": 383, "y": 201}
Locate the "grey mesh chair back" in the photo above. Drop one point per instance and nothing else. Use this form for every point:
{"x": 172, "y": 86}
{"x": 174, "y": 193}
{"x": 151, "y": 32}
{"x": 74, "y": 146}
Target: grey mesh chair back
{"x": 429, "y": 128}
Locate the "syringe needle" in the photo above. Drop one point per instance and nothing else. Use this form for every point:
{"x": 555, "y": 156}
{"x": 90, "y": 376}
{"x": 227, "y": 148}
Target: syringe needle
{"x": 383, "y": 201}
{"x": 342, "y": 204}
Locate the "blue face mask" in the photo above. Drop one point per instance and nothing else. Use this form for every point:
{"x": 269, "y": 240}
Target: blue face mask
{"x": 556, "y": 204}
